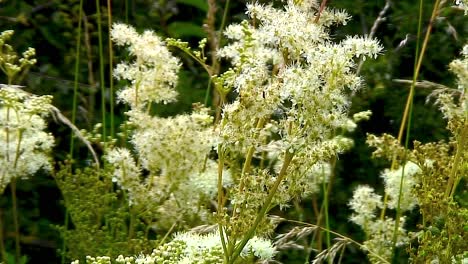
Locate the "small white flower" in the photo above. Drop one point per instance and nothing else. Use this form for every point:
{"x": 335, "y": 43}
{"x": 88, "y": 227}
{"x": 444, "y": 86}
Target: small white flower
{"x": 260, "y": 247}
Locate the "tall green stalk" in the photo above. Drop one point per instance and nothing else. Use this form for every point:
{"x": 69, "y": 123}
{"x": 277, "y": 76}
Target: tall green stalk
{"x": 101, "y": 70}
{"x": 266, "y": 206}
{"x": 111, "y": 79}
{"x": 74, "y": 108}
{"x": 409, "y": 103}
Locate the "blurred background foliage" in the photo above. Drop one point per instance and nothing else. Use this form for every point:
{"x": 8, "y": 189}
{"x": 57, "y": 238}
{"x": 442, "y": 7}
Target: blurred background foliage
{"x": 51, "y": 26}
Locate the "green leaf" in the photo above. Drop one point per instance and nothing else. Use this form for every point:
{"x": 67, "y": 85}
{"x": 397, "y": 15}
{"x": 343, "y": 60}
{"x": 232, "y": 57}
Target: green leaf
{"x": 200, "y": 4}
{"x": 186, "y": 29}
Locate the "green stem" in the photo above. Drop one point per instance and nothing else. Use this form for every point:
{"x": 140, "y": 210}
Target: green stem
{"x": 101, "y": 71}
{"x": 454, "y": 180}
{"x": 111, "y": 78}
{"x": 409, "y": 104}
{"x": 248, "y": 160}
{"x": 327, "y": 225}
{"x": 76, "y": 78}
{"x": 220, "y": 202}
{"x": 266, "y": 205}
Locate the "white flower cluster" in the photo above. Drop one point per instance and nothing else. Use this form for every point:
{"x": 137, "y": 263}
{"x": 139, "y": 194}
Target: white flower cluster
{"x": 289, "y": 75}
{"x": 460, "y": 68}
{"x": 392, "y": 179}
{"x": 456, "y": 112}
{"x": 366, "y": 202}
{"x": 24, "y": 145}
{"x": 191, "y": 248}
{"x": 259, "y": 247}
{"x": 168, "y": 172}
{"x": 293, "y": 84}
{"x": 380, "y": 236}
{"x": 153, "y": 74}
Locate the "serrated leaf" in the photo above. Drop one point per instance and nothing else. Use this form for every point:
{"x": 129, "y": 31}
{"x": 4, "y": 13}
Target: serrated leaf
{"x": 200, "y": 4}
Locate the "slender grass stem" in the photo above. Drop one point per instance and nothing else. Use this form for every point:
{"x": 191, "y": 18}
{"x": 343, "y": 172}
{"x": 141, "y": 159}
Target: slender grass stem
{"x": 409, "y": 103}
{"x": 76, "y": 77}
{"x": 340, "y": 235}
{"x": 454, "y": 180}
{"x": 220, "y": 202}
{"x": 111, "y": 69}
{"x": 101, "y": 70}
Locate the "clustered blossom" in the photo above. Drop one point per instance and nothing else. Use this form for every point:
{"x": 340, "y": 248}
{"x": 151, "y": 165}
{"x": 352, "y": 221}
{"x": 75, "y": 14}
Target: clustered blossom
{"x": 379, "y": 232}
{"x": 392, "y": 179}
{"x": 364, "y": 204}
{"x": 191, "y": 248}
{"x": 24, "y": 145}
{"x": 153, "y": 73}
{"x": 380, "y": 238}
{"x": 293, "y": 84}
{"x": 456, "y": 112}
{"x": 287, "y": 71}
{"x": 168, "y": 172}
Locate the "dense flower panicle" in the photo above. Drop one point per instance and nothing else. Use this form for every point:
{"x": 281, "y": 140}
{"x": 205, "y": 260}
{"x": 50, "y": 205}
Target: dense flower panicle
{"x": 293, "y": 86}
{"x": 191, "y": 248}
{"x": 153, "y": 73}
{"x": 206, "y": 181}
{"x": 460, "y": 68}
{"x": 171, "y": 175}
{"x": 455, "y": 111}
{"x": 287, "y": 70}
{"x": 126, "y": 172}
{"x": 392, "y": 179}
{"x": 364, "y": 203}
{"x": 24, "y": 145}
{"x": 380, "y": 233}
{"x": 179, "y": 146}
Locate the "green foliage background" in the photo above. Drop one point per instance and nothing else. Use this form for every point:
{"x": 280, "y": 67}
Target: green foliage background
{"x": 51, "y": 27}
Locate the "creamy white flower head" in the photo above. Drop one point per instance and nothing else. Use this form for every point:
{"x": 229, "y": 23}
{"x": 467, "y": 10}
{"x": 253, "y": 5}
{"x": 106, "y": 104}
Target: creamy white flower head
{"x": 364, "y": 204}
{"x": 123, "y": 34}
{"x": 153, "y": 74}
{"x": 126, "y": 173}
{"x": 364, "y": 115}
{"x": 206, "y": 181}
{"x": 24, "y": 145}
{"x": 380, "y": 237}
{"x": 145, "y": 259}
{"x": 460, "y": 68}
{"x": 195, "y": 243}
{"x": 392, "y": 180}
{"x": 260, "y": 247}
{"x": 361, "y": 46}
